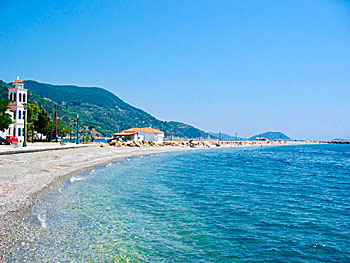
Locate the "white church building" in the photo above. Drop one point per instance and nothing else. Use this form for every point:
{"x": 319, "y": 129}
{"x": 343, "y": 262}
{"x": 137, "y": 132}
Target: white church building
{"x": 17, "y": 95}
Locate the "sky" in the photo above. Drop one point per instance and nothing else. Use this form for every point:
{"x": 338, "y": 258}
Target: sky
{"x": 245, "y": 66}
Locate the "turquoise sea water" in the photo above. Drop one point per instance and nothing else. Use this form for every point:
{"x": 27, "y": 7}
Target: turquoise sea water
{"x": 276, "y": 204}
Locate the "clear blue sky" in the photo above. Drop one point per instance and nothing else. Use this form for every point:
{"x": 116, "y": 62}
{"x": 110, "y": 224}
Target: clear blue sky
{"x": 246, "y": 66}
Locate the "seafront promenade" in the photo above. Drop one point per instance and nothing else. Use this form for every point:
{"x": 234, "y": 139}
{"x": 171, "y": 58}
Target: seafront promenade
{"x": 38, "y": 147}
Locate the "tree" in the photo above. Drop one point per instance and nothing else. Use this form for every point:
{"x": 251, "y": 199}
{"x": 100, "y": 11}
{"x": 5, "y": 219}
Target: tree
{"x": 62, "y": 129}
{"x": 41, "y": 124}
{"x": 32, "y": 112}
{"x": 49, "y": 130}
{"x": 5, "y": 118}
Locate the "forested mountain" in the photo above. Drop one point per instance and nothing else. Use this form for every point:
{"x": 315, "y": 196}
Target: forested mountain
{"x": 101, "y": 112}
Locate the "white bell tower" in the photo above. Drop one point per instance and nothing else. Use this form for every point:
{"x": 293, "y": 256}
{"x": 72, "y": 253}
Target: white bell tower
{"x": 19, "y": 99}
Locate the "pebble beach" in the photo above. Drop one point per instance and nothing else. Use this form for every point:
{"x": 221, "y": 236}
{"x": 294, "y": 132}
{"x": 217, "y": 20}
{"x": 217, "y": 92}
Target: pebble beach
{"x": 25, "y": 178}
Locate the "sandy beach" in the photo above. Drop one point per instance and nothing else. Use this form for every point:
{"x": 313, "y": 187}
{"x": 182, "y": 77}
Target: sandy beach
{"x": 27, "y": 177}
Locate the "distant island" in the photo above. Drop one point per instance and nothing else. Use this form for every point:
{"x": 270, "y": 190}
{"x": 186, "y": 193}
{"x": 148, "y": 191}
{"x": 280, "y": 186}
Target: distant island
{"x": 341, "y": 140}
{"x": 273, "y": 136}
{"x": 270, "y": 136}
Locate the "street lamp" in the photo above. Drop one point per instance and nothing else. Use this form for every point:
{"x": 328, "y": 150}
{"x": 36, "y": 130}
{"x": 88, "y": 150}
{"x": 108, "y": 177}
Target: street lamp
{"x": 70, "y": 131}
{"x": 77, "y": 128}
{"x": 25, "y": 125}
{"x": 33, "y": 133}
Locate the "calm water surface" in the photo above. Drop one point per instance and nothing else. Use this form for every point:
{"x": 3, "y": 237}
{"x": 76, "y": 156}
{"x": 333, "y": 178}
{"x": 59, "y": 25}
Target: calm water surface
{"x": 277, "y": 204}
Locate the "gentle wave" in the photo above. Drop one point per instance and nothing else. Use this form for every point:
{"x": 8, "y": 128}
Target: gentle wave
{"x": 76, "y": 179}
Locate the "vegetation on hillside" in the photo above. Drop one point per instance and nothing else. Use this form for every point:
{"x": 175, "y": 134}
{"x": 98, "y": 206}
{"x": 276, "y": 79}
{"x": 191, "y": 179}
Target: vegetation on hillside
{"x": 37, "y": 119}
{"x": 101, "y": 112}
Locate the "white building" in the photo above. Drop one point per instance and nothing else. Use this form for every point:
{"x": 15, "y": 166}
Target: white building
{"x": 18, "y": 97}
{"x": 141, "y": 134}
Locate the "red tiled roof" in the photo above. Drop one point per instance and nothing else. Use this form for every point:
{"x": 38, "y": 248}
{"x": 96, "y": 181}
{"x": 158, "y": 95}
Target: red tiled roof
{"x": 147, "y": 130}
{"x": 17, "y": 81}
{"x": 124, "y": 133}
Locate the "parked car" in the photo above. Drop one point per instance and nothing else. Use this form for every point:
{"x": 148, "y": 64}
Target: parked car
{"x": 2, "y": 140}
{"x": 11, "y": 140}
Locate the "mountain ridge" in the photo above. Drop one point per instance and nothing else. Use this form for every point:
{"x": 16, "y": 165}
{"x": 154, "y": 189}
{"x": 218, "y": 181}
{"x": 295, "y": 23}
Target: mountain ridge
{"x": 102, "y": 112}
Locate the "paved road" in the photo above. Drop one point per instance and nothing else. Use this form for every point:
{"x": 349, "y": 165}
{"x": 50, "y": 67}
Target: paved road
{"x": 37, "y": 147}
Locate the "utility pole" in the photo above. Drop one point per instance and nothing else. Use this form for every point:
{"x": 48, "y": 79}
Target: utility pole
{"x": 236, "y": 137}
{"x": 77, "y": 128}
{"x": 219, "y": 135}
{"x": 56, "y": 123}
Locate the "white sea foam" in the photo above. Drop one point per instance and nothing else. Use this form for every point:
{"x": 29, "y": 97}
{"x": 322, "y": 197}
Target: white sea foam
{"x": 76, "y": 178}
{"x": 92, "y": 171}
{"x": 108, "y": 165}
{"x": 42, "y": 220}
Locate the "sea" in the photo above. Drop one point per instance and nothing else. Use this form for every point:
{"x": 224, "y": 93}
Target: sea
{"x": 257, "y": 204}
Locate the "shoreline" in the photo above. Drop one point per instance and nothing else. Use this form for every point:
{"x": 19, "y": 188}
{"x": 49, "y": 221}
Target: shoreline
{"x": 43, "y": 171}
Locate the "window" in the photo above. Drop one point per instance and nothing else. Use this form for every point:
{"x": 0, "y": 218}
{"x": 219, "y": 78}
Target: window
{"x": 24, "y": 115}
{"x": 24, "y": 97}
{"x": 19, "y": 96}
{"x": 19, "y": 115}
{"x": 15, "y": 96}
{"x": 14, "y": 116}
{"x": 11, "y": 96}
{"x": 19, "y": 132}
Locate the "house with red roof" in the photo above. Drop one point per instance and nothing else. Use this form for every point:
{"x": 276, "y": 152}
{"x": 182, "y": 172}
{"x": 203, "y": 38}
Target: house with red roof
{"x": 140, "y": 134}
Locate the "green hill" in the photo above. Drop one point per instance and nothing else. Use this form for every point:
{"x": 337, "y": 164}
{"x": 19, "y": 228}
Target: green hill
{"x": 101, "y": 112}
{"x": 3, "y": 90}
{"x": 271, "y": 136}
